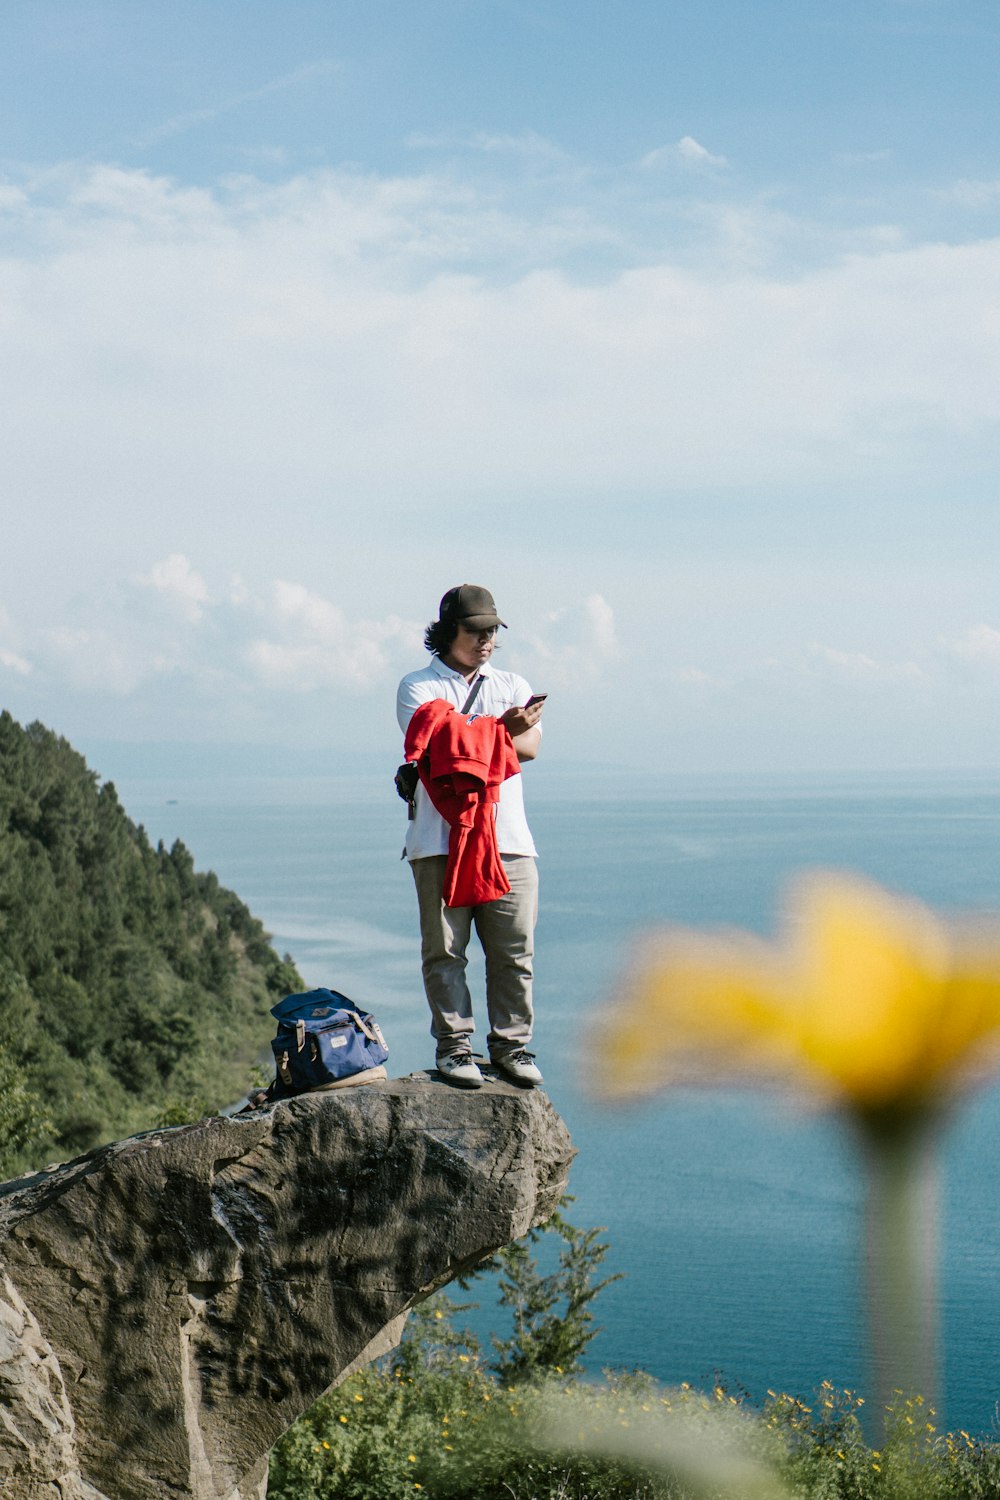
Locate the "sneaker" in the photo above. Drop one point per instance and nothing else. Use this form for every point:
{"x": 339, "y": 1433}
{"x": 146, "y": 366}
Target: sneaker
{"x": 460, "y": 1068}
{"x": 519, "y": 1067}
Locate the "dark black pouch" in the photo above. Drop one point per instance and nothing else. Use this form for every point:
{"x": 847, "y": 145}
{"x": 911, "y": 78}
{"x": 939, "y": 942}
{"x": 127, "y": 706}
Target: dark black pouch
{"x": 406, "y": 780}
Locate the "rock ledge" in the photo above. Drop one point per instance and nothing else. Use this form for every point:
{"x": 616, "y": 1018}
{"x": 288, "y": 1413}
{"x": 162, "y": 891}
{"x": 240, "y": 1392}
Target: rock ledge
{"x": 170, "y": 1304}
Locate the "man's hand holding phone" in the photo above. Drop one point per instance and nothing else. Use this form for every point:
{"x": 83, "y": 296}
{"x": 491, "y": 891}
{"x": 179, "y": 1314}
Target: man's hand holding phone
{"x": 525, "y": 717}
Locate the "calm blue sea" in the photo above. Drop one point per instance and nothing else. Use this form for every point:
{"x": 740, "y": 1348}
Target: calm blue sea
{"x": 735, "y": 1219}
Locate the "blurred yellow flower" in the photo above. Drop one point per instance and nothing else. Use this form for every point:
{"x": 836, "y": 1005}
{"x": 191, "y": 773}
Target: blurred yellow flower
{"x": 869, "y": 1000}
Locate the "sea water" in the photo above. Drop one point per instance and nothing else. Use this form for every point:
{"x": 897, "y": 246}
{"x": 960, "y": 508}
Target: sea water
{"x": 735, "y": 1219}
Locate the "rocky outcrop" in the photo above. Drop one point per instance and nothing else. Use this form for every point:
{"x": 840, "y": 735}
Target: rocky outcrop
{"x": 170, "y": 1304}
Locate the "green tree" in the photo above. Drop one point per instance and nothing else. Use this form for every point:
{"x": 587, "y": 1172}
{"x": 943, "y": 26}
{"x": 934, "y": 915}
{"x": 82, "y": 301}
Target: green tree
{"x": 132, "y": 987}
{"x": 553, "y": 1321}
{"x": 25, "y": 1121}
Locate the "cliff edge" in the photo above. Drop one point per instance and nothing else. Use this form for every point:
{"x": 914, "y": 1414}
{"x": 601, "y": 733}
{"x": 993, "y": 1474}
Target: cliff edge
{"x": 171, "y": 1303}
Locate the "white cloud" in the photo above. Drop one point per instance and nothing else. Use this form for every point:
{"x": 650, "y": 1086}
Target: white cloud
{"x": 14, "y": 663}
{"x": 573, "y": 645}
{"x": 601, "y": 622}
{"x": 687, "y": 151}
{"x": 191, "y": 119}
{"x": 164, "y": 625}
{"x": 972, "y": 194}
{"x": 97, "y": 659}
{"x": 981, "y": 643}
{"x": 858, "y": 667}
{"x": 343, "y": 379}
{"x": 525, "y": 143}
{"x": 326, "y": 338}
{"x": 251, "y": 649}
{"x": 695, "y": 677}
{"x": 178, "y": 583}
{"x": 10, "y": 659}
{"x": 311, "y": 643}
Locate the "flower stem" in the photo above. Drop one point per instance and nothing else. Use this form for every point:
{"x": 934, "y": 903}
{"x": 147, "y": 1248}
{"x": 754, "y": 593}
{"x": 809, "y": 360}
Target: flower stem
{"x": 902, "y": 1258}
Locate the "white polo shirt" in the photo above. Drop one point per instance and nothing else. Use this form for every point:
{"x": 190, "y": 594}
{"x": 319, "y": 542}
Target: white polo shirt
{"x": 427, "y": 833}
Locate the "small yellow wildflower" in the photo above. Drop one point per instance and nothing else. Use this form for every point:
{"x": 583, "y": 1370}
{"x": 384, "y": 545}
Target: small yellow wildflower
{"x": 463, "y": 1359}
{"x": 358, "y": 1398}
{"x": 869, "y": 998}
{"x": 438, "y": 1313}
{"x": 326, "y": 1445}
{"x": 342, "y": 1419}
{"x": 411, "y": 1458}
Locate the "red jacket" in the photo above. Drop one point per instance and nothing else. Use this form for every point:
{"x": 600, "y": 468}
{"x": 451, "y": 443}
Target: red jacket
{"x": 462, "y": 765}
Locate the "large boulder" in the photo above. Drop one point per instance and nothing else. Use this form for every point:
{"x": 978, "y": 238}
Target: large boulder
{"x": 171, "y": 1303}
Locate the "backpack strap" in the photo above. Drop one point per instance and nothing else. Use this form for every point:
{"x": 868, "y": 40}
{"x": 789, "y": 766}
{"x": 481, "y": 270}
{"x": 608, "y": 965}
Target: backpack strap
{"x": 361, "y": 1023}
{"x": 470, "y": 700}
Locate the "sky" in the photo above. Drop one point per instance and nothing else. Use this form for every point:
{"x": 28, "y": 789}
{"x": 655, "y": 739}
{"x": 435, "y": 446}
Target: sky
{"x": 675, "y": 325}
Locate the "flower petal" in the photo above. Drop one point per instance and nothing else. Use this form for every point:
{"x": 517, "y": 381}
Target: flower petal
{"x": 694, "y": 1009}
{"x": 872, "y": 974}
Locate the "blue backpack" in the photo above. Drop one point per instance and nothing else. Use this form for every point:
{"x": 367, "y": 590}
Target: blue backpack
{"x": 324, "y": 1042}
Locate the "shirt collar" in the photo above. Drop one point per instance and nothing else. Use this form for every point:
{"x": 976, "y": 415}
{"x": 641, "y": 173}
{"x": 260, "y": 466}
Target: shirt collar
{"x": 442, "y": 670}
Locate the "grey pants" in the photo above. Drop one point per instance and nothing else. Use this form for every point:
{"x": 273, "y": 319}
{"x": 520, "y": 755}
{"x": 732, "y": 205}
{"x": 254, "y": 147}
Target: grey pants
{"x": 506, "y": 930}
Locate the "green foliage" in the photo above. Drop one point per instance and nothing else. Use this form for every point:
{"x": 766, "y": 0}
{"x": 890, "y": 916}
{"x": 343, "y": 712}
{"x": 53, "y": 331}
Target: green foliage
{"x": 133, "y": 989}
{"x": 434, "y": 1421}
{"x": 25, "y": 1121}
{"x": 437, "y": 1416}
{"x": 826, "y": 1454}
{"x": 553, "y": 1323}
{"x": 449, "y": 1430}
{"x": 452, "y": 1431}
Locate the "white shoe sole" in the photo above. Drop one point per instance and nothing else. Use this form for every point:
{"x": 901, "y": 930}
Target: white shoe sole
{"x": 522, "y": 1081}
{"x": 472, "y": 1080}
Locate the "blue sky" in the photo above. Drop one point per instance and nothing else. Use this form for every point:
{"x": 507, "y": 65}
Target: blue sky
{"x": 678, "y": 326}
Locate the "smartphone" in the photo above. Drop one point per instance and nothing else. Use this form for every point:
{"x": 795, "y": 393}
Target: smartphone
{"x": 536, "y": 698}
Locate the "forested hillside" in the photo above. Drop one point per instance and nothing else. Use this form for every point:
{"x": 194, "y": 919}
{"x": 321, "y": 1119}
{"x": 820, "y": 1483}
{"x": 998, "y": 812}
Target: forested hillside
{"x": 134, "y": 991}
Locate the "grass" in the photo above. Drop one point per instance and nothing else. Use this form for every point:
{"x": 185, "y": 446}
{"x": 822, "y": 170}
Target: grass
{"x": 435, "y": 1422}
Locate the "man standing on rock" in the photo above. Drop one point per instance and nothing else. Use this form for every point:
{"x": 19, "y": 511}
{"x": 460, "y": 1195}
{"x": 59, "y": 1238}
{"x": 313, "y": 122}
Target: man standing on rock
{"x": 462, "y": 640}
